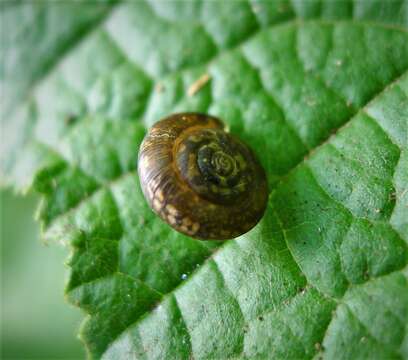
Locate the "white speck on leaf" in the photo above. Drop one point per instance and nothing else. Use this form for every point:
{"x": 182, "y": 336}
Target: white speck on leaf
{"x": 311, "y": 101}
{"x": 196, "y": 86}
{"x": 256, "y": 8}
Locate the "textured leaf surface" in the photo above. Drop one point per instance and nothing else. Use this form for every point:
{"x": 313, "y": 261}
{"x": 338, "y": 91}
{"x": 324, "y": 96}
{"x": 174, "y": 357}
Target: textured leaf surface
{"x": 318, "y": 89}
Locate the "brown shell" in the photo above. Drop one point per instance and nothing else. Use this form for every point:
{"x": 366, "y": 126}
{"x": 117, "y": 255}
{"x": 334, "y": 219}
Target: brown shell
{"x": 201, "y": 180}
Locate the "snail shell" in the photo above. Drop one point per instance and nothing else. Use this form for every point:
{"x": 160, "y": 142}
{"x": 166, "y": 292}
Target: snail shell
{"x": 201, "y": 180}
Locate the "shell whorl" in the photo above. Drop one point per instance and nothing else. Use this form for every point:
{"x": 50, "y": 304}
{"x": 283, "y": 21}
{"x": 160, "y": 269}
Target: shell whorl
{"x": 201, "y": 180}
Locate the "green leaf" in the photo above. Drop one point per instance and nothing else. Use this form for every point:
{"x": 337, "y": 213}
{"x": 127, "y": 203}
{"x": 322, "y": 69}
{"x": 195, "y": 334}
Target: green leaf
{"x": 319, "y": 89}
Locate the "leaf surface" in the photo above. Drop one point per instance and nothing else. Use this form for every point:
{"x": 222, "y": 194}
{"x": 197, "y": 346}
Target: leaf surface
{"x": 320, "y": 92}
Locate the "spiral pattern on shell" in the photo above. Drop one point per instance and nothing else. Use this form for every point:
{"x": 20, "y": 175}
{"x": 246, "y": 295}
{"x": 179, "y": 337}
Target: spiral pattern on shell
{"x": 200, "y": 179}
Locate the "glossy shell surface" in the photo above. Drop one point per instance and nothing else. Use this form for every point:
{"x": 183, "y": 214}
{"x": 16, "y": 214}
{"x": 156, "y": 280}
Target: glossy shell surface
{"x": 200, "y": 179}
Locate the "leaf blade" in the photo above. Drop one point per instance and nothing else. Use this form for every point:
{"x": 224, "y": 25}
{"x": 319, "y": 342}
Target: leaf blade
{"x": 253, "y": 76}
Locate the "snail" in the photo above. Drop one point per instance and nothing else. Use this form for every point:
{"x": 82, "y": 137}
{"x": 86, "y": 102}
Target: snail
{"x": 201, "y": 180}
